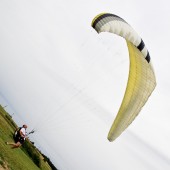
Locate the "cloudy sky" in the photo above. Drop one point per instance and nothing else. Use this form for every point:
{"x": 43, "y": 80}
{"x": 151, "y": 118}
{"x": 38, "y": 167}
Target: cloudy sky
{"x": 65, "y": 81}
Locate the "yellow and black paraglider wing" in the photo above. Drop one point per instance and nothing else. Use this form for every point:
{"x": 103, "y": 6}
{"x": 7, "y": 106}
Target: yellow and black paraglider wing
{"x": 141, "y": 80}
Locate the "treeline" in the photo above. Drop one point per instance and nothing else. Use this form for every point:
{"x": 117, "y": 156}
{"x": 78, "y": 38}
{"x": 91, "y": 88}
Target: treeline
{"x": 30, "y": 150}
{"x": 36, "y": 155}
{"x": 46, "y": 159}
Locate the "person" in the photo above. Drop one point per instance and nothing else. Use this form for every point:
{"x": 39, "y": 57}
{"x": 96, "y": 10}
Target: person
{"x": 20, "y": 136}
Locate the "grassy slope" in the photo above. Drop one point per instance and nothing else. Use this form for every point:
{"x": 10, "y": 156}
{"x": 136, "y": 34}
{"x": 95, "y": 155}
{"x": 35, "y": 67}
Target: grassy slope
{"x": 15, "y": 158}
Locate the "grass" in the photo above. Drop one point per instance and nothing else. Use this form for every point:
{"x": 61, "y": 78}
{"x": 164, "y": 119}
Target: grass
{"x": 14, "y": 159}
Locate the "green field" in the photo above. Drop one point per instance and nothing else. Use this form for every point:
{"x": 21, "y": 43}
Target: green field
{"x": 15, "y": 159}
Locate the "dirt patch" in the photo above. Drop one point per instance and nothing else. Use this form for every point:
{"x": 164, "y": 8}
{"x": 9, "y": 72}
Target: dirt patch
{"x": 4, "y": 166}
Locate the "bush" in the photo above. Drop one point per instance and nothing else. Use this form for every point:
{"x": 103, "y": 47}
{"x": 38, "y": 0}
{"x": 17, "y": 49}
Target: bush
{"x": 29, "y": 149}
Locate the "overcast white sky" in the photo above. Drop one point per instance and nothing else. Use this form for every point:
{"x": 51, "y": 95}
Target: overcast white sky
{"x": 65, "y": 81}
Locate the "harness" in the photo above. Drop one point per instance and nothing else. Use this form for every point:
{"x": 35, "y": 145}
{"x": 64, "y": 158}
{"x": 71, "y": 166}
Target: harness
{"x": 16, "y": 135}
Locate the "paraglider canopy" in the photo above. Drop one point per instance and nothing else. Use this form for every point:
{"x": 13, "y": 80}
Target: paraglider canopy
{"x": 141, "y": 81}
